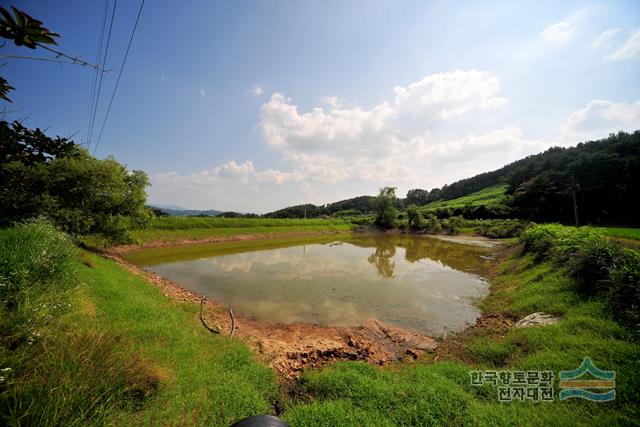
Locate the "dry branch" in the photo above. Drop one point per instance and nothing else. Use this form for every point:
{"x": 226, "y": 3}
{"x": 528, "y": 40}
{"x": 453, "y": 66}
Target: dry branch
{"x": 204, "y": 322}
{"x": 233, "y": 323}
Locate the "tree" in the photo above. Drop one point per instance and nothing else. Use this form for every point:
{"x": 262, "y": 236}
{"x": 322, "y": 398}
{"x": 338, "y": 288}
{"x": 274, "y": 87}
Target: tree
{"x": 383, "y": 207}
{"x": 418, "y": 197}
{"x": 55, "y": 178}
{"x": 414, "y": 217}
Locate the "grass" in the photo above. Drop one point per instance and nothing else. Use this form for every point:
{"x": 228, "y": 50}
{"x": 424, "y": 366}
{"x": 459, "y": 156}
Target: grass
{"x": 125, "y": 354}
{"x": 625, "y": 233}
{"x": 440, "y": 394}
{"x": 490, "y": 196}
{"x": 173, "y": 229}
{"x": 205, "y": 379}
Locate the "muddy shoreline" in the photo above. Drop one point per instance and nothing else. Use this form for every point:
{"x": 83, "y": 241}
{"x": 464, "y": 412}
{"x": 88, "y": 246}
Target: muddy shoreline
{"x": 290, "y": 348}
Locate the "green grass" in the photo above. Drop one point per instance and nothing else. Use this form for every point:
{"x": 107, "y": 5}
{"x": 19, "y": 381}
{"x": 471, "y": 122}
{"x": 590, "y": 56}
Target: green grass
{"x": 204, "y": 379}
{"x": 173, "y": 229}
{"x": 181, "y": 223}
{"x": 440, "y": 393}
{"x": 625, "y": 233}
{"x": 490, "y": 196}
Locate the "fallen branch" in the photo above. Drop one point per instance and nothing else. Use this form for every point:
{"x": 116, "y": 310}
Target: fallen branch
{"x": 233, "y": 323}
{"x": 204, "y": 322}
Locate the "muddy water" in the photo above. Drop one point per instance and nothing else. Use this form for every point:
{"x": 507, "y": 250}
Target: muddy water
{"x": 415, "y": 282}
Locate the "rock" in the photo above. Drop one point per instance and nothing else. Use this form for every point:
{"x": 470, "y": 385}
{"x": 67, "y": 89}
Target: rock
{"x": 537, "y": 319}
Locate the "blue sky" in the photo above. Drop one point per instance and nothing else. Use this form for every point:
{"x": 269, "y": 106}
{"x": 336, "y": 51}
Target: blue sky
{"x": 259, "y": 105}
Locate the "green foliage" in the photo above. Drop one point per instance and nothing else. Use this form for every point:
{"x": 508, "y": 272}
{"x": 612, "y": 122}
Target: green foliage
{"x": 599, "y": 265}
{"x": 54, "y": 178}
{"x": 490, "y": 196}
{"x": 24, "y": 30}
{"x": 36, "y": 268}
{"x": 384, "y": 207}
{"x": 414, "y": 217}
{"x": 432, "y": 223}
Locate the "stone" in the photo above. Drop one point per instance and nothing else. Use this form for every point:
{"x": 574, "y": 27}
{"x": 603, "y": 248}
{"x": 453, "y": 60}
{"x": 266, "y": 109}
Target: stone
{"x": 537, "y": 319}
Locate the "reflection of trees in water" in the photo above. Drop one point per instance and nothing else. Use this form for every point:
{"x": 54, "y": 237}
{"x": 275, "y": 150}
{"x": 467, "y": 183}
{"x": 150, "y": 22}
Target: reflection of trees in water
{"x": 382, "y": 258}
{"x": 455, "y": 255}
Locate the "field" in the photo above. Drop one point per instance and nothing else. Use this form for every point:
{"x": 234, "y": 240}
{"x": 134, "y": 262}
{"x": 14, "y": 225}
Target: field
{"x": 171, "y": 229}
{"x": 490, "y": 196}
{"x": 624, "y": 233}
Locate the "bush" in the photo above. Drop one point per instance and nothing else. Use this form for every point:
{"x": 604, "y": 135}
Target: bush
{"x": 599, "y": 265}
{"x": 623, "y": 295}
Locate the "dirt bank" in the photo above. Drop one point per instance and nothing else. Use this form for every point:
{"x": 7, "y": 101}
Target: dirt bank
{"x": 290, "y": 348}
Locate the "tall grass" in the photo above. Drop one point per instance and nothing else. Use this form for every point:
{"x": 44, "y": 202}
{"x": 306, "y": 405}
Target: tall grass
{"x": 49, "y": 375}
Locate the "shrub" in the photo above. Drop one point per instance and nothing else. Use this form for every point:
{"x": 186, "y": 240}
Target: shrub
{"x": 623, "y": 295}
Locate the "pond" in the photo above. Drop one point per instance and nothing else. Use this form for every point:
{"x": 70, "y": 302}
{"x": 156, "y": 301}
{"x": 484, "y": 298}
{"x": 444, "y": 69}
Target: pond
{"x": 414, "y": 282}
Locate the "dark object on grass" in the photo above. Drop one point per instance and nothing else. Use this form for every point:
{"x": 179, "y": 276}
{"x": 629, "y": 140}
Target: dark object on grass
{"x": 261, "y": 421}
{"x": 204, "y": 322}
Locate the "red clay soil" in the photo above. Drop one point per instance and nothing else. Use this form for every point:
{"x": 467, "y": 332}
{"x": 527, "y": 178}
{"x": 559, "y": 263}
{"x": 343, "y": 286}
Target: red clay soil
{"x": 289, "y": 348}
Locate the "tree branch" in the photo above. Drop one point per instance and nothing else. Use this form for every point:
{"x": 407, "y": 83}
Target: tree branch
{"x": 74, "y": 60}
{"x": 204, "y": 322}
{"x": 57, "y": 61}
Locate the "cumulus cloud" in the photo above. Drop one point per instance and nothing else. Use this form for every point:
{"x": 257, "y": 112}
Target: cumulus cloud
{"x": 599, "y": 118}
{"x": 558, "y": 33}
{"x": 605, "y": 38}
{"x": 334, "y": 150}
{"x": 631, "y": 48}
{"x": 257, "y": 90}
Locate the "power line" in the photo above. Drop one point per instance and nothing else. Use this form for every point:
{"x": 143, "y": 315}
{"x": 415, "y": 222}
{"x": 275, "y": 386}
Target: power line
{"x": 95, "y": 75}
{"x": 104, "y": 60}
{"x": 124, "y": 60}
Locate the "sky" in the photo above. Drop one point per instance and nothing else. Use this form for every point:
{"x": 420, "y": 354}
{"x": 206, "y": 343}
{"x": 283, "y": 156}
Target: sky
{"x": 254, "y": 106}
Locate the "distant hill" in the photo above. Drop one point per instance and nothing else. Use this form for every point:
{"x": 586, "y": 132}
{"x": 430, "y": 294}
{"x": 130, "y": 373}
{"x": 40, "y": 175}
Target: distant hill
{"x": 354, "y": 206}
{"x": 178, "y": 211}
{"x": 604, "y": 176}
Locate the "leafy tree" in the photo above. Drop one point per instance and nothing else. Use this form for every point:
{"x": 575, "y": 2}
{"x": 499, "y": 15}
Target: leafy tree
{"x": 418, "y": 197}
{"x": 54, "y": 178}
{"x": 383, "y": 207}
{"x": 414, "y": 217}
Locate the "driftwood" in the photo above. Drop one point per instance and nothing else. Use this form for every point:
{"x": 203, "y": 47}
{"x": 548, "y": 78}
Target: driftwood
{"x": 204, "y": 322}
{"x": 233, "y": 323}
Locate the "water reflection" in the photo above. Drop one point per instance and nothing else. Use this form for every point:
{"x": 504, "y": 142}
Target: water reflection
{"x": 415, "y": 282}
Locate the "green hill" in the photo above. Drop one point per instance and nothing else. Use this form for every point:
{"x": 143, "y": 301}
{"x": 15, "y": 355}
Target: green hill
{"x": 495, "y": 195}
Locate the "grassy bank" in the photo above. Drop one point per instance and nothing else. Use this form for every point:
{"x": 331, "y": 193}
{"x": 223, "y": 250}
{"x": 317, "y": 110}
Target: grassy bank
{"x": 440, "y": 393}
{"x": 122, "y": 353}
{"x": 172, "y": 229}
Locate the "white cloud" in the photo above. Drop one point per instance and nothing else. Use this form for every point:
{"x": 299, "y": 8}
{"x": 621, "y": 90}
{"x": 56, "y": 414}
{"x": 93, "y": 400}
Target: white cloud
{"x": 334, "y": 150}
{"x": 630, "y": 50}
{"x": 443, "y": 95}
{"x": 605, "y": 38}
{"x": 202, "y": 92}
{"x": 558, "y": 33}
{"x": 257, "y": 90}
{"x": 599, "y": 118}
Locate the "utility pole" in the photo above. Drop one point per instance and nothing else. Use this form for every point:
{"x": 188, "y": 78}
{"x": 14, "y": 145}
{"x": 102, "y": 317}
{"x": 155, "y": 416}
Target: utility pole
{"x": 305, "y": 211}
{"x": 575, "y": 202}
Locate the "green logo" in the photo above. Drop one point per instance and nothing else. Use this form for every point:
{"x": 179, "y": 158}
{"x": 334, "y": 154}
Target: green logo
{"x": 571, "y": 385}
